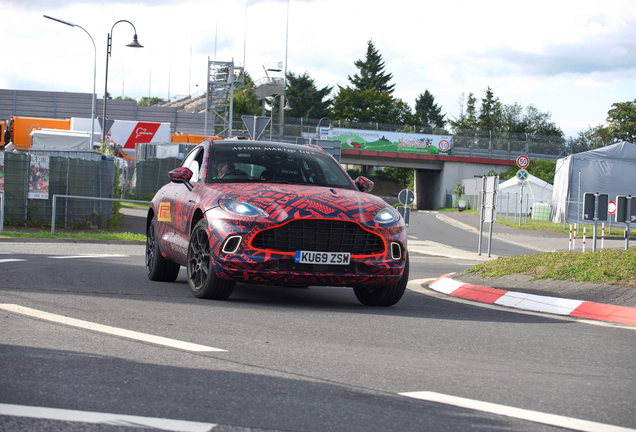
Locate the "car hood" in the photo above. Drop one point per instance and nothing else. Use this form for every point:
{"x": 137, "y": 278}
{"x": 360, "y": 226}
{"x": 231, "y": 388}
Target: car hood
{"x": 284, "y": 201}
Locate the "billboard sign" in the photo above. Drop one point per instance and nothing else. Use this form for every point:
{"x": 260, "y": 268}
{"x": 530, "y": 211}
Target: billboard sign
{"x": 400, "y": 142}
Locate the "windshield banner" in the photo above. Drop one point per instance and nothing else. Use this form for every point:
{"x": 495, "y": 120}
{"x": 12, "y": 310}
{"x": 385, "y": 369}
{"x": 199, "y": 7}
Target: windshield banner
{"x": 400, "y": 142}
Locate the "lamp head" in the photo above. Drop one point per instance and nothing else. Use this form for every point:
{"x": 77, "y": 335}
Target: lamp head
{"x": 135, "y": 43}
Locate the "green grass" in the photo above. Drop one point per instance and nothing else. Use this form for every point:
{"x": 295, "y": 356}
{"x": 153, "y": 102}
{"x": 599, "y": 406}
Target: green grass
{"x": 608, "y": 266}
{"x": 74, "y": 235}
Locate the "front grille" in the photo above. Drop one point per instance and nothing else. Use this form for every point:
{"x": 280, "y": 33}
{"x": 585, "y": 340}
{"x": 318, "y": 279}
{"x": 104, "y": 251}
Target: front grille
{"x": 319, "y": 235}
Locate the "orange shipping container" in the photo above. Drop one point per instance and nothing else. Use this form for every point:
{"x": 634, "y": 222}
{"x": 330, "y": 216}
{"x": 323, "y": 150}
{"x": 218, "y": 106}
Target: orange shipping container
{"x": 191, "y": 139}
{"x": 21, "y": 128}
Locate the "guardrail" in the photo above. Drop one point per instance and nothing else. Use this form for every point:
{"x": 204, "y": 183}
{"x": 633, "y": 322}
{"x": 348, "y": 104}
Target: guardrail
{"x": 56, "y": 196}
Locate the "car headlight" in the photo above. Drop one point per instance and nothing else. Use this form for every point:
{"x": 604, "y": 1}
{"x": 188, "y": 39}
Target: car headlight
{"x": 242, "y": 208}
{"x": 386, "y": 215}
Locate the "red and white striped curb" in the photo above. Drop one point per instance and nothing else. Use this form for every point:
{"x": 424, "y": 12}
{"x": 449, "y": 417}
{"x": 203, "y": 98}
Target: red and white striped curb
{"x": 531, "y": 302}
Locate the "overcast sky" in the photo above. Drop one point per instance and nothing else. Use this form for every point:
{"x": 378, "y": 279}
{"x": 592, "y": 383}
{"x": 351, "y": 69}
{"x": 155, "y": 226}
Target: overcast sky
{"x": 572, "y": 58}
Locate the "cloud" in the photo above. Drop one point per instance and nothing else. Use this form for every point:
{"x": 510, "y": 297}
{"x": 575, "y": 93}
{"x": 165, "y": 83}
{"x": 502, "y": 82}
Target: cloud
{"x": 60, "y": 4}
{"x": 564, "y": 59}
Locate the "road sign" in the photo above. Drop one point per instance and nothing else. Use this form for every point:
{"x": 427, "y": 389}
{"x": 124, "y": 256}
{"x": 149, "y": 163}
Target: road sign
{"x": 255, "y": 125}
{"x": 523, "y": 161}
{"x": 625, "y": 209}
{"x": 523, "y": 175}
{"x": 590, "y": 209}
{"x": 611, "y": 207}
{"x": 406, "y": 197}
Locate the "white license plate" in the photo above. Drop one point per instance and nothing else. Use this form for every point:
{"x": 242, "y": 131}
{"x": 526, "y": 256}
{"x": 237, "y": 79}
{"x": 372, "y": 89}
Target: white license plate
{"x": 308, "y": 257}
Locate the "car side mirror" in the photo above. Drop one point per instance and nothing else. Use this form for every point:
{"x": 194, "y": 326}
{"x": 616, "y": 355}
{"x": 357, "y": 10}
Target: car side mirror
{"x": 364, "y": 184}
{"x": 181, "y": 175}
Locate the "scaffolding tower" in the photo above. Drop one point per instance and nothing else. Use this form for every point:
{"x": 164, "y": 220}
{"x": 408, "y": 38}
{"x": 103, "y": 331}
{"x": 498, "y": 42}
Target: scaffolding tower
{"x": 222, "y": 78}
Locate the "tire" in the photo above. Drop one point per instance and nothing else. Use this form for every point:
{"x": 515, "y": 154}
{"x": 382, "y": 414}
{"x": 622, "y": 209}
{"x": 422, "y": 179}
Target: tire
{"x": 157, "y": 267}
{"x": 203, "y": 281}
{"x": 383, "y": 295}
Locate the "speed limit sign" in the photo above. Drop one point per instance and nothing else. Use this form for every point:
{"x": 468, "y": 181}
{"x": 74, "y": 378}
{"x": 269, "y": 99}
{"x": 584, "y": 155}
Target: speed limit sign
{"x": 523, "y": 161}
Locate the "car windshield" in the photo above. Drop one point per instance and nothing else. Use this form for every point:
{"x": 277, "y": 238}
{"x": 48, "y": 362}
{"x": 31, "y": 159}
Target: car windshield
{"x": 274, "y": 164}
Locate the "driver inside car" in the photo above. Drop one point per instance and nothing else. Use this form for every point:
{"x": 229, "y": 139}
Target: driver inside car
{"x": 224, "y": 168}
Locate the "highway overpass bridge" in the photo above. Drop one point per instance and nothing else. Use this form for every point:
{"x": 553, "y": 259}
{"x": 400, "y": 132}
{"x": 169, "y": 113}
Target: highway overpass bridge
{"x": 435, "y": 176}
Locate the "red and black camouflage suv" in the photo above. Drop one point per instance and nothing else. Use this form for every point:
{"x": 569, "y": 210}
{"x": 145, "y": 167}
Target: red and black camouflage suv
{"x": 274, "y": 213}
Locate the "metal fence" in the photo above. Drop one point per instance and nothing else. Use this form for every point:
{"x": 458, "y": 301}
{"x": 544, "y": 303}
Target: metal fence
{"x": 65, "y": 177}
{"x": 483, "y": 144}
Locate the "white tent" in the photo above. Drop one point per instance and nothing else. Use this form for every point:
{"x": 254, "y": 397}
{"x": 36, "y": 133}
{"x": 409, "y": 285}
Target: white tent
{"x": 535, "y": 188}
{"x": 610, "y": 170}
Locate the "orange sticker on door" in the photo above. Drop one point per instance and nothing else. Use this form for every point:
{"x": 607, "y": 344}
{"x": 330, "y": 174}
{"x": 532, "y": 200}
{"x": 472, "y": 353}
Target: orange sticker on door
{"x": 164, "y": 212}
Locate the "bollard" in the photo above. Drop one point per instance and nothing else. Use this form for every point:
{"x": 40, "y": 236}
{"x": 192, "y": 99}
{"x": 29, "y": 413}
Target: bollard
{"x": 574, "y": 240}
{"x": 584, "y": 228}
{"x": 570, "y": 242}
{"x": 602, "y": 234}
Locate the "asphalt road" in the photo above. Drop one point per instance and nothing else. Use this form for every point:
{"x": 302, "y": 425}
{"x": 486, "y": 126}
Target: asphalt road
{"x": 293, "y": 359}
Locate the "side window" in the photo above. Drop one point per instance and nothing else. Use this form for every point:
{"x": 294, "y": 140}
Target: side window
{"x": 193, "y": 161}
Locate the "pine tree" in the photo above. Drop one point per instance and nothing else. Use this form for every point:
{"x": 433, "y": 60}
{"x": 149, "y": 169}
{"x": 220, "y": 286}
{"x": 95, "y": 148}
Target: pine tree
{"x": 427, "y": 112}
{"x": 306, "y": 100}
{"x": 372, "y": 73}
{"x": 467, "y": 120}
{"x": 490, "y": 112}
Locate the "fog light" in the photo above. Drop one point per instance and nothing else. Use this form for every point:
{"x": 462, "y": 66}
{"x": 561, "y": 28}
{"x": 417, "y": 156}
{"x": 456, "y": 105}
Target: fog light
{"x": 396, "y": 251}
{"x": 232, "y": 244}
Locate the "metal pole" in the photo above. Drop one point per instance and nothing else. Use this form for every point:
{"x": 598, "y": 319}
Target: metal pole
{"x": 578, "y": 204}
{"x": 53, "y": 215}
{"x": 628, "y": 218}
{"x": 481, "y": 218}
{"x": 507, "y": 205}
{"x": 596, "y": 196}
{"x": 1, "y": 211}
{"x": 492, "y": 213}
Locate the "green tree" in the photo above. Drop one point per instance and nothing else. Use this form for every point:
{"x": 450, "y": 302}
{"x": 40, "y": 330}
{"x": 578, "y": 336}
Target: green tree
{"x": 540, "y": 123}
{"x": 363, "y": 106}
{"x": 593, "y": 138}
{"x": 150, "y": 101}
{"x": 371, "y": 72}
{"x": 513, "y": 119}
{"x": 125, "y": 98}
{"x": 245, "y": 99}
{"x": 427, "y": 113}
{"x": 466, "y": 120}
{"x": 490, "y": 112}
{"x": 401, "y": 113}
{"x": 305, "y": 99}
{"x": 404, "y": 176}
{"x": 621, "y": 121}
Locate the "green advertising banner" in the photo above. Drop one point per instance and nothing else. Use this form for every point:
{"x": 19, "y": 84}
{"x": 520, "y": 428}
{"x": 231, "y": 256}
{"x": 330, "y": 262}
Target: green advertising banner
{"x": 391, "y": 141}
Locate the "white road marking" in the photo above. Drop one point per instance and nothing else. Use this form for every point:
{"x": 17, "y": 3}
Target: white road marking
{"x": 523, "y": 414}
{"x": 158, "y": 340}
{"x": 89, "y": 256}
{"x": 104, "y": 418}
{"x": 10, "y": 260}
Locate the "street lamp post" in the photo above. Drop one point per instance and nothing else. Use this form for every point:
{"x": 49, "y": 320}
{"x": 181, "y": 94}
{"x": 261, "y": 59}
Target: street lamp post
{"x": 271, "y": 113}
{"x": 94, "y": 101}
{"x": 133, "y": 44}
{"x": 318, "y": 127}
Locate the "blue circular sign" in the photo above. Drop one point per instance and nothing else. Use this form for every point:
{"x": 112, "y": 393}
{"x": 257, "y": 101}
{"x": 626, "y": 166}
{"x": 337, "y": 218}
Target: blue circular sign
{"x": 523, "y": 175}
